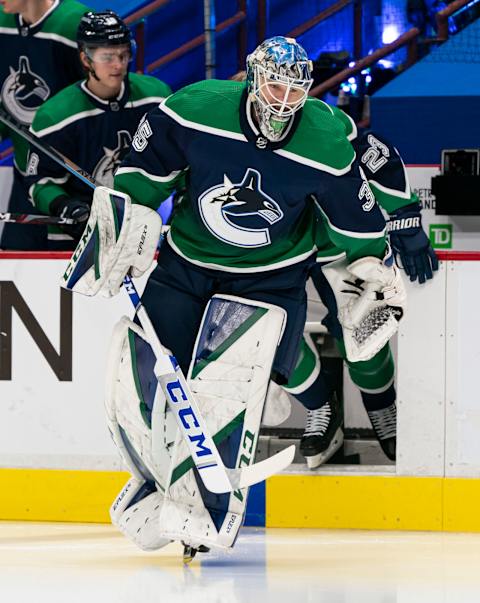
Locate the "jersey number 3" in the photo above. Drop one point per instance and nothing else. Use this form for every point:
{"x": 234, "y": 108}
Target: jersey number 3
{"x": 377, "y": 154}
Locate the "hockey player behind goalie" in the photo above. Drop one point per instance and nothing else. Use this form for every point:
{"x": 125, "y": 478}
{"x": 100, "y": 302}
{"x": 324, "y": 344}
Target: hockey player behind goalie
{"x": 388, "y": 179}
{"x": 228, "y": 294}
{"x": 91, "y": 122}
{"x": 38, "y": 59}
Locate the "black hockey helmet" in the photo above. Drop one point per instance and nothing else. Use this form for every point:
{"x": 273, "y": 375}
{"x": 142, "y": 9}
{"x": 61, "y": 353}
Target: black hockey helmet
{"x": 104, "y": 28}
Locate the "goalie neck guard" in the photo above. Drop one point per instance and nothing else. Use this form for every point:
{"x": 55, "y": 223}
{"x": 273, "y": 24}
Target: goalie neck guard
{"x": 278, "y": 80}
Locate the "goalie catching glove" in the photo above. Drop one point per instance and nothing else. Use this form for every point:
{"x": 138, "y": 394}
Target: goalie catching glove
{"x": 372, "y": 300}
{"x": 119, "y": 238}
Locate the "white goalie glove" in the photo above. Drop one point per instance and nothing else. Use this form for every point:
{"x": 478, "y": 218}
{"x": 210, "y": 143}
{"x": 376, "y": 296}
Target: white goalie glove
{"x": 372, "y": 300}
{"x": 120, "y": 237}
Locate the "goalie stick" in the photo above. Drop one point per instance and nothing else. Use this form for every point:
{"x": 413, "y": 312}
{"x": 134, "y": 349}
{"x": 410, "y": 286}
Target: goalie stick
{"x": 216, "y": 477}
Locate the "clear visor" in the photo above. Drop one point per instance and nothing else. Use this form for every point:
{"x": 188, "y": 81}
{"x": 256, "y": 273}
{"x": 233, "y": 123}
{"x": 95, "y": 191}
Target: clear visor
{"x": 108, "y": 56}
{"x": 281, "y": 94}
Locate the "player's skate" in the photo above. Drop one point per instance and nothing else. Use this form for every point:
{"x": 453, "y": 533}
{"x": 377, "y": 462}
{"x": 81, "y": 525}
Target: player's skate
{"x": 384, "y": 423}
{"x": 189, "y": 552}
{"x": 323, "y": 434}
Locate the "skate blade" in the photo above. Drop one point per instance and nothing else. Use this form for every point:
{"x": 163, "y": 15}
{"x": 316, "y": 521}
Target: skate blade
{"x": 189, "y": 553}
{"x": 318, "y": 459}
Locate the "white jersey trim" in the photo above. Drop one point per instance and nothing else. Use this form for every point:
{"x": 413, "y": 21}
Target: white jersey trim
{"x": 354, "y": 133}
{"x": 56, "y": 38}
{"x": 315, "y": 164}
{"x": 147, "y": 100}
{"x": 134, "y": 170}
{"x": 352, "y": 234}
{"x": 290, "y": 262}
{"x": 379, "y": 390}
{"x": 9, "y": 30}
{"x": 302, "y": 387}
{"x": 233, "y": 135}
{"x": 66, "y": 122}
{"x": 44, "y": 181}
{"x": 196, "y": 126}
{"x": 330, "y": 258}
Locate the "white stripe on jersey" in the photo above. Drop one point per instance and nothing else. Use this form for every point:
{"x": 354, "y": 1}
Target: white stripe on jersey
{"x": 66, "y": 122}
{"x": 56, "y": 38}
{"x": 315, "y": 164}
{"x": 146, "y": 101}
{"x": 196, "y": 126}
{"x": 134, "y": 170}
{"x": 352, "y": 234}
{"x": 227, "y": 134}
{"x": 288, "y": 262}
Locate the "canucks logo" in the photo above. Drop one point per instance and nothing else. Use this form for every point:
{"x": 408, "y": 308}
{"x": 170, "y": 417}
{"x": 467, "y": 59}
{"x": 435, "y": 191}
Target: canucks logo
{"x": 108, "y": 164}
{"x": 240, "y": 214}
{"x": 24, "y": 91}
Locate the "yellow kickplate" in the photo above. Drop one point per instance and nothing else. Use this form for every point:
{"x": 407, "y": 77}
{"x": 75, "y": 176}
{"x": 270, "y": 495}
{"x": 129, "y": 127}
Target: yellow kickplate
{"x": 51, "y": 495}
{"x": 461, "y": 505}
{"x": 354, "y": 502}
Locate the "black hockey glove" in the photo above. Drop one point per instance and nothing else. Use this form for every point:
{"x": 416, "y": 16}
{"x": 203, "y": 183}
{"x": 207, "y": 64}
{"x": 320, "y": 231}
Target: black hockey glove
{"x": 411, "y": 246}
{"x": 75, "y": 209}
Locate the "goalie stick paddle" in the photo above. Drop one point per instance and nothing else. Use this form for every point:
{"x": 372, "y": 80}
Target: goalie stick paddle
{"x": 216, "y": 477}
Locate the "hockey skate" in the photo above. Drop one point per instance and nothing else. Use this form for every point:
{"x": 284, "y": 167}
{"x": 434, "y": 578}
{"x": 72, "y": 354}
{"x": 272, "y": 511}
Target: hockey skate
{"x": 384, "y": 423}
{"x": 189, "y": 552}
{"x": 323, "y": 434}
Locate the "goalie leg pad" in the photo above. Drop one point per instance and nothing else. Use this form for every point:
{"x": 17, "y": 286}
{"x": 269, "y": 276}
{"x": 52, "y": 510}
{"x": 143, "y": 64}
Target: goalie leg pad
{"x": 142, "y": 427}
{"x": 119, "y": 236}
{"x": 229, "y": 376}
{"x": 136, "y": 512}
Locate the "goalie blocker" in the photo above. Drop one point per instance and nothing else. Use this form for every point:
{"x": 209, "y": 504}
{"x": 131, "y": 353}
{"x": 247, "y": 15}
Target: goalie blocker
{"x": 165, "y": 500}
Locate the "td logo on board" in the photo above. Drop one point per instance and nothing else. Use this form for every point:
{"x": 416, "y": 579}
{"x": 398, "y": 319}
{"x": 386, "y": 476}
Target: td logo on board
{"x": 441, "y": 236}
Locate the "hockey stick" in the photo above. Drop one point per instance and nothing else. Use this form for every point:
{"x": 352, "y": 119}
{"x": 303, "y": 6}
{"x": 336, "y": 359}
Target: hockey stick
{"x": 216, "y": 477}
{"x": 35, "y": 219}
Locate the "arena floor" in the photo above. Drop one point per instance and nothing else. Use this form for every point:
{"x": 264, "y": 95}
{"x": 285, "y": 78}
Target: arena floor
{"x": 92, "y": 563}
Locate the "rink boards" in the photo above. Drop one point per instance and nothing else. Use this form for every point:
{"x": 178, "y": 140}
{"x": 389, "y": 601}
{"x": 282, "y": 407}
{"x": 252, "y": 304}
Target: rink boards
{"x": 57, "y": 461}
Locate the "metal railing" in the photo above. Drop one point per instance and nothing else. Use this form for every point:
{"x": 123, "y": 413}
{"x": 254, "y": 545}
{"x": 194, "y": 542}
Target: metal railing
{"x": 328, "y": 12}
{"x": 239, "y": 18}
{"x": 409, "y": 39}
{"x": 442, "y": 18}
{"x": 138, "y": 19}
{"x": 6, "y": 153}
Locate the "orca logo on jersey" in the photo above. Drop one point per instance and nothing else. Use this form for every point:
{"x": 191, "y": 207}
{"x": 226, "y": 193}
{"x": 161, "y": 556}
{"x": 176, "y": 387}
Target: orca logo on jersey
{"x": 236, "y": 213}
{"x": 23, "y": 92}
{"x": 112, "y": 158}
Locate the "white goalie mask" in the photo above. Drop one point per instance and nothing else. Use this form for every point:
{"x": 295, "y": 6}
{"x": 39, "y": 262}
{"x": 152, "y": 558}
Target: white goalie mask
{"x": 278, "y": 79}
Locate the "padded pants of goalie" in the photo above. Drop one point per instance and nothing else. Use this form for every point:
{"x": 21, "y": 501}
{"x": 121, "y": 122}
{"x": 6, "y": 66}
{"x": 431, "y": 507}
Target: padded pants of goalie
{"x": 177, "y": 293}
{"x": 22, "y": 237}
{"x": 373, "y": 377}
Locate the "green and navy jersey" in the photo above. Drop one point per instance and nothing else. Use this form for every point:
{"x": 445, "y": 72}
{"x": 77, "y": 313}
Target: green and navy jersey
{"x": 383, "y": 168}
{"x": 382, "y": 165}
{"x": 92, "y": 132}
{"x": 249, "y": 203}
{"x": 36, "y": 61}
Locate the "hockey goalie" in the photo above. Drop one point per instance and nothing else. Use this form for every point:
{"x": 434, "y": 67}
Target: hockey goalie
{"x": 227, "y": 296}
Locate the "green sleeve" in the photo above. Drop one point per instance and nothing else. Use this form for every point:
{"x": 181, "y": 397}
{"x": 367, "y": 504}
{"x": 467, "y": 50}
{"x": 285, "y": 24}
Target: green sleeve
{"x": 354, "y": 248}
